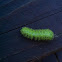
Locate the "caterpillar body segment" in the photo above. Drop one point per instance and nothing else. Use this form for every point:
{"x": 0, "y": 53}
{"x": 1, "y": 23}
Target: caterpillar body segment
{"x": 37, "y": 34}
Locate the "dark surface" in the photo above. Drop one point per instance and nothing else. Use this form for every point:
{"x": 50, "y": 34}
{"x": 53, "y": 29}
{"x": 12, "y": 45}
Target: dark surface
{"x": 11, "y": 6}
{"x": 29, "y": 13}
{"x": 12, "y": 42}
{"x": 50, "y": 58}
{"x": 14, "y": 47}
{"x": 59, "y": 54}
{"x": 3, "y": 2}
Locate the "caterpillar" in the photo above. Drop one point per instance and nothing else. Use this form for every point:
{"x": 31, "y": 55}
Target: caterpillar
{"x": 37, "y": 34}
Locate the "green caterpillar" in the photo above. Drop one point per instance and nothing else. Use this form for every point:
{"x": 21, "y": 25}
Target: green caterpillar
{"x": 37, "y": 34}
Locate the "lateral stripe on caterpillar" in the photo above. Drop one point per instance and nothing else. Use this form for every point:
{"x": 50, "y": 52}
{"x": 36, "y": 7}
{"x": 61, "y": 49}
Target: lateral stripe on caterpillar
{"x": 37, "y": 34}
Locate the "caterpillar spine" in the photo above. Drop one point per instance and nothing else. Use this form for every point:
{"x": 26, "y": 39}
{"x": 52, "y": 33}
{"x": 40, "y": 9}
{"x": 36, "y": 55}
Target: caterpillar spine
{"x": 37, "y": 34}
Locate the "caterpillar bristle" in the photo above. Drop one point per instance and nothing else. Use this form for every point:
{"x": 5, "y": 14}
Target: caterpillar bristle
{"x": 41, "y": 34}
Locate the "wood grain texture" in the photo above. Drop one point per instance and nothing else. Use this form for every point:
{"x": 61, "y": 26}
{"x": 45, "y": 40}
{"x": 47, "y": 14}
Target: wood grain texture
{"x": 11, "y": 6}
{"x": 3, "y": 2}
{"x": 50, "y": 58}
{"x": 59, "y": 54}
{"x": 34, "y": 11}
{"x": 14, "y": 45}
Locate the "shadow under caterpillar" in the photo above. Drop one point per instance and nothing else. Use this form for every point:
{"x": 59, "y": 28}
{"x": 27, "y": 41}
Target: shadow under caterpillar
{"x": 37, "y": 34}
